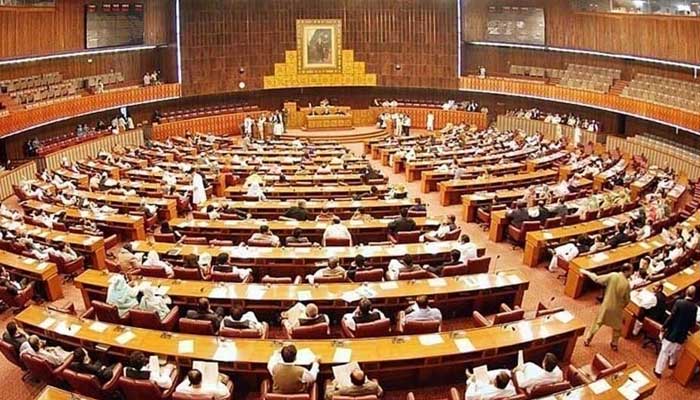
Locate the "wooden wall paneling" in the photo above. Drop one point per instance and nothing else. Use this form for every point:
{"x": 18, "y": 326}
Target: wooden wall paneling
{"x": 40, "y": 31}
{"x": 641, "y": 35}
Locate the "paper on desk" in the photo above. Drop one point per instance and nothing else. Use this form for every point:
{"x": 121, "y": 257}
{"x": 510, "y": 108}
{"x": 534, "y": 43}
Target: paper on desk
{"x": 610, "y": 222}
{"x": 598, "y": 257}
{"x": 670, "y": 286}
{"x": 350, "y": 296}
{"x": 28, "y": 260}
{"x": 433, "y": 248}
{"x": 302, "y": 250}
{"x": 689, "y": 271}
{"x": 218, "y": 292}
{"x": 389, "y": 285}
{"x": 437, "y": 282}
{"x": 464, "y": 345}
{"x": 639, "y": 379}
{"x": 42, "y": 266}
{"x": 304, "y": 295}
{"x": 305, "y": 356}
{"x": 342, "y": 355}
{"x": 431, "y": 339}
{"x": 366, "y": 291}
{"x": 564, "y": 317}
{"x": 255, "y": 292}
{"x": 644, "y": 245}
{"x": 513, "y": 279}
{"x": 68, "y": 330}
{"x": 98, "y": 327}
{"x": 45, "y": 324}
{"x": 125, "y": 337}
{"x": 629, "y": 391}
{"x": 185, "y": 346}
{"x": 599, "y": 386}
{"x": 154, "y": 366}
{"x": 226, "y": 352}
{"x": 341, "y": 373}
{"x": 547, "y": 235}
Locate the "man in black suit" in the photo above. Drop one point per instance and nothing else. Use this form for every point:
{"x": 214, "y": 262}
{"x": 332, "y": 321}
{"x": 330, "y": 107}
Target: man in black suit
{"x": 205, "y": 313}
{"x": 83, "y": 365}
{"x": 402, "y": 224}
{"x": 675, "y": 331}
{"x": 298, "y": 212}
{"x": 519, "y": 215}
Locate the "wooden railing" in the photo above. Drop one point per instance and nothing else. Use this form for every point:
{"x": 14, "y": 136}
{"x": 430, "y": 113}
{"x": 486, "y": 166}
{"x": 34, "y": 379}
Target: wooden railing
{"x": 25, "y": 119}
{"x": 223, "y": 124}
{"x": 419, "y": 116}
{"x": 91, "y": 148}
{"x": 658, "y": 155}
{"x": 549, "y": 131}
{"x": 683, "y": 119}
{"x": 14, "y": 177}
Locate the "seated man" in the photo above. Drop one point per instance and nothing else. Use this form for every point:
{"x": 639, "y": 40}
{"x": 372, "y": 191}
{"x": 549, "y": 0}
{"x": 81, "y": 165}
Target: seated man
{"x": 403, "y": 223}
{"x": 300, "y": 315}
{"x": 298, "y": 212}
{"x": 54, "y": 355}
{"x": 296, "y": 238}
{"x": 14, "y": 336}
{"x": 336, "y": 230}
{"x": 467, "y": 249}
{"x": 288, "y": 378}
{"x": 139, "y": 369}
{"x": 265, "y": 235}
{"x": 396, "y": 267}
{"x": 498, "y": 386}
{"x": 530, "y": 374}
{"x": 363, "y": 314}
{"x": 205, "y": 313}
{"x": 359, "y": 386}
{"x": 332, "y": 270}
{"x": 358, "y": 264}
{"x": 241, "y": 320}
{"x": 447, "y": 225}
{"x": 221, "y": 264}
{"x": 82, "y": 364}
{"x": 418, "y": 205}
{"x": 326, "y": 214}
{"x": 421, "y": 311}
{"x": 519, "y": 215}
{"x": 128, "y": 260}
{"x": 454, "y": 260}
{"x": 192, "y": 385}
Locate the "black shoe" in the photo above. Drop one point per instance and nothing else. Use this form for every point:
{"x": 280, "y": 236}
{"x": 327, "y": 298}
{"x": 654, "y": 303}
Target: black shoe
{"x": 671, "y": 366}
{"x": 658, "y": 375}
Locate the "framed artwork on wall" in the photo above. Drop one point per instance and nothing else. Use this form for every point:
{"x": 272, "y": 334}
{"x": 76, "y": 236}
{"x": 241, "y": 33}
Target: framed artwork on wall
{"x": 319, "y": 45}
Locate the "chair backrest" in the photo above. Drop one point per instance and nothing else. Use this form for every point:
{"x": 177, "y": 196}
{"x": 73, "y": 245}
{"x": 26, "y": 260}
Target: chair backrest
{"x": 552, "y": 222}
{"x": 106, "y": 312}
{"x": 337, "y": 241}
{"x": 510, "y": 316}
{"x": 10, "y": 354}
{"x": 408, "y": 236}
{"x": 195, "y": 240}
{"x": 164, "y": 237}
{"x": 453, "y": 235}
{"x": 138, "y": 389}
{"x": 40, "y": 369}
{"x": 380, "y": 327}
{"x": 367, "y": 397}
{"x": 190, "y": 274}
{"x": 153, "y": 272}
{"x": 479, "y": 265}
{"x": 200, "y": 396}
{"x": 219, "y": 276}
{"x": 239, "y": 333}
{"x": 422, "y": 274}
{"x": 370, "y": 275}
{"x": 545, "y": 390}
{"x": 416, "y": 214}
{"x": 315, "y": 331}
{"x": 217, "y": 242}
{"x": 259, "y": 243}
{"x": 195, "y": 326}
{"x": 85, "y": 384}
{"x": 330, "y": 279}
{"x": 145, "y": 319}
{"x": 421, "y": 327}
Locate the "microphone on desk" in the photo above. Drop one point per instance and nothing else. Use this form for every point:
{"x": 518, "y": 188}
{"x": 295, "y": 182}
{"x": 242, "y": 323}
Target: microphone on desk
{"x": 495, "y": 263}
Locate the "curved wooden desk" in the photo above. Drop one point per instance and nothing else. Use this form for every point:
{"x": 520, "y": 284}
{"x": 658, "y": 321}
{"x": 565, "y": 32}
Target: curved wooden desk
{"x": 291, "y": 261}
{"x": 450, "y": 191}
{"x": 273, "y": 209}
{"x": 374, "y": 230}
{"x": 399, "y": 360}
{"x": 460, "y": 295}
{"x": 321, "y": 192}
{"x": 429, "y": 179}
{"x": 45, "y": 274}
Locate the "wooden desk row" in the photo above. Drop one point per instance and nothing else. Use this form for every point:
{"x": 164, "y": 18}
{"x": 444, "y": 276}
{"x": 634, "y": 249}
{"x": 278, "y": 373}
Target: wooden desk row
{"x": 291, "y": 261}
{"x": 550, "y": 132}
{"x": 320, "y": 192}
{"x": 92, "y": 247}
{"x": 45, "y": 274}
{"x": 322, "y": 179}
{"x": 132, "y": 226}
{"x": 373, "y": 230}
{"x": 167, "y": 208}
{"x": 216, "y": 181}
{"x": 451, "y": 191}
{"x": 547, "y": 161}
{"x": 454, "y": 295}
{"x": 610, "y": 260}
{"x": 273, "y": 209}
{"x": 413, "y": 358}
{"x": 429, "y": 179}
{"x": 414, "y": 169}
{"x": 92, "y": 167}
{"x": 537, "y": 241}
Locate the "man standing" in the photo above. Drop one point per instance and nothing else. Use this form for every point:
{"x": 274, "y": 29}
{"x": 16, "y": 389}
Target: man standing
{"x": 617, "y": 295}
{"x": 430, "y": 121}
{"x": 675, "y": 331}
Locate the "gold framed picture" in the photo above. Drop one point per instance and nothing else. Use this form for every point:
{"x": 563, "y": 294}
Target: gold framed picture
{"x": 319, "y": 45}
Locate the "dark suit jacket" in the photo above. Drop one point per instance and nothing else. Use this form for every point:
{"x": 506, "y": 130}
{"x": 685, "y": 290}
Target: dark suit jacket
{"x": 402, "y": 225}
{"x": 681, "y": 320}
{"x": 299, "y": 214}
{"x": 213, "y": 317}
{"x": 136, "y": 374}
{"x": 517, "y": 217}
{"x": 15, "y": 341}
{"x": 363, "y": 319}
{"x": 95, "y": 368}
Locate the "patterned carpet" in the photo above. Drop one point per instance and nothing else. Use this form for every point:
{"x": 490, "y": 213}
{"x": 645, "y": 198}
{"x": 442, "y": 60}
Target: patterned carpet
{"x": 544, "y": 287}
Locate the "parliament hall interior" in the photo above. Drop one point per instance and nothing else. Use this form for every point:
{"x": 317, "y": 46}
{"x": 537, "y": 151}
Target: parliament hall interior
{"x": 349, "y": 199}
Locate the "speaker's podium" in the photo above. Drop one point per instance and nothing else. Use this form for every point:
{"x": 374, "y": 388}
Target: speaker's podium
{"x": 324, "y": 118}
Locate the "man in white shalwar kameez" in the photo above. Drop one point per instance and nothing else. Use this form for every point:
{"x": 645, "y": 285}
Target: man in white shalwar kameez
{"x": 199, "y": 193}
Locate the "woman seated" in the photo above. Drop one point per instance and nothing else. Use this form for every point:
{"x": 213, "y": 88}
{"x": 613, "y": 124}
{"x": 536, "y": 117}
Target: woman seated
{"x": 121, "y": 295}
